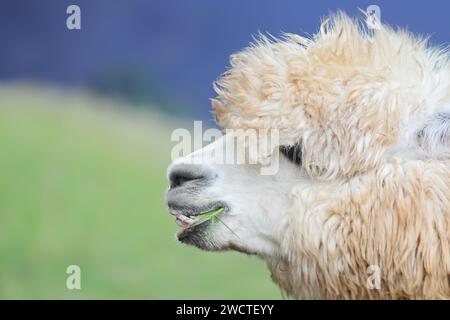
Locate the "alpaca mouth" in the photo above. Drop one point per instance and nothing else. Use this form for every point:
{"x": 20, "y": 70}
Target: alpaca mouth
{"x": 187, "y": 216}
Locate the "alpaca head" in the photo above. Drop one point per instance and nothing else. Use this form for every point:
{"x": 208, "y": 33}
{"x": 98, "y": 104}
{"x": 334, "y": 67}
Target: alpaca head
{"x": 342, "y": 102}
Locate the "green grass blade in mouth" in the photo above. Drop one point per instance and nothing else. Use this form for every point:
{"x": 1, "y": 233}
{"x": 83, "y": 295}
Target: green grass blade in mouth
{"x": 221, "y": 221}
{"x": 211, "y": 212}
{"x": 213, "y": 222}
{"x": 213, "y": 216}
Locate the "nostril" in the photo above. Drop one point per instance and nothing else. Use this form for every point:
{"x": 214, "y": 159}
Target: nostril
{"x": 181, "y": 178}
{"x": 181, "y": 174}
{"x": 177, "y": 181}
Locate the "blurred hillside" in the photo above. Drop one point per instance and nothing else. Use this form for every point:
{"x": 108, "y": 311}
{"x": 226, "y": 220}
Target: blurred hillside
{"x": 82, "y": 182}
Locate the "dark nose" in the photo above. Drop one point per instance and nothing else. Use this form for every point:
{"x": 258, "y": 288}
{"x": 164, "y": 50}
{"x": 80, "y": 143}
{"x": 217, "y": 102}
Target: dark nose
{"x": 181, "y": 174}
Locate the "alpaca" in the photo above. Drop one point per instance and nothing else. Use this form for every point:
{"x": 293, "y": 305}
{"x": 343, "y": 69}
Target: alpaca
{"x": 363, "y": 185}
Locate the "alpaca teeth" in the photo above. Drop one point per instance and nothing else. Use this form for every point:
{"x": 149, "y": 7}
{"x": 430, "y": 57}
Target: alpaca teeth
{"x": 184, "y": 221}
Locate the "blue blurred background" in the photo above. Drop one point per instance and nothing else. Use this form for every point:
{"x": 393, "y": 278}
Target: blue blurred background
{"x": 85, "y": 123}
{"x": 167, "y": 52}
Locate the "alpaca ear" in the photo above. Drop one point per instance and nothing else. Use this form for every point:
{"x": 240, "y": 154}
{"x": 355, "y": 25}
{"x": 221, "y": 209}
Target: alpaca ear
{"x": 434, "y": 136}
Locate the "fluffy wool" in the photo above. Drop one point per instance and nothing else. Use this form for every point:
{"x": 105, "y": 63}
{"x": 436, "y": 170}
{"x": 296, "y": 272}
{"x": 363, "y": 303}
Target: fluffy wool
{"x": 358, "y": 103}
{"x": 347, "y": 94}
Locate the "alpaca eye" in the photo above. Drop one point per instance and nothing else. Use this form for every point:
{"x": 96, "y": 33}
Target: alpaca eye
{"x": 293, "y": 153}
{"x": 436, "y": 132}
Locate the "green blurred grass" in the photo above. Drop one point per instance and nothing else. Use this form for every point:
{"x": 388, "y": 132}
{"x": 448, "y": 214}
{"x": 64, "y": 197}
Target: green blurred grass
{"x": 82, "y": 182}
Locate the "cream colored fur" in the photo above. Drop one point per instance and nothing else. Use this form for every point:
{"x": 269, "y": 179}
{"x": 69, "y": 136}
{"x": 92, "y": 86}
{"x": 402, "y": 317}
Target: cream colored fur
{"x": 351, "y": 98}
{"x": 368, "y": 191}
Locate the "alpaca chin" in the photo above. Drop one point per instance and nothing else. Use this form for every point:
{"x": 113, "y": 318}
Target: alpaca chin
{"x": 197, "y": 236}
